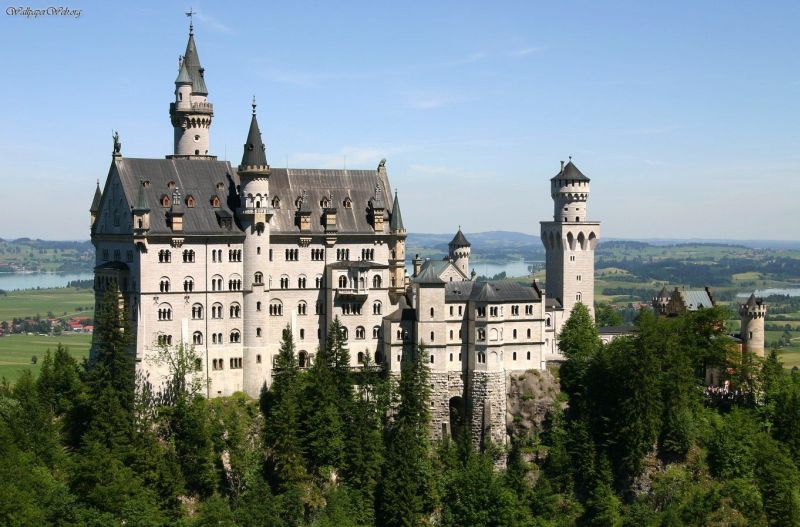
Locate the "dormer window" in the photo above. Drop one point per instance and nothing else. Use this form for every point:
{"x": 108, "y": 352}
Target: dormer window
{"x": 347, "y": 203}
{"x": 146, "y": 183}
{"x": 215, "y": 202}
{"x": 324, "y": 203}
{"x": 276, "y": 202}
{"x": 220, "y": 186}
{"x": 190, "y": 202}
{"x": 298, "y": 201}
{"x": 171, "y": 185}
{"x": 165, "y": 202}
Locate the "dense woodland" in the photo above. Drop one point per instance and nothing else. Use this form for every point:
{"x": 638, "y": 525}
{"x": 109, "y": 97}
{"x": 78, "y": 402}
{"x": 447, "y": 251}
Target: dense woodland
{"x": 636, "y": 439}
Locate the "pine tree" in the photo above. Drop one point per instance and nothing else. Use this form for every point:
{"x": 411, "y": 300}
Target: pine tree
{"x": 578, "y": 342}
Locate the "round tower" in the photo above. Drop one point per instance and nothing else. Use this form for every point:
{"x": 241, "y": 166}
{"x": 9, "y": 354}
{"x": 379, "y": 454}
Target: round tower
{"x": 254, "y": 216}
{"x": 753, "y": 313}
{"x": 459, "y": 252}
{"x": 570, "y": 192}
{"x": 191, "y": 112}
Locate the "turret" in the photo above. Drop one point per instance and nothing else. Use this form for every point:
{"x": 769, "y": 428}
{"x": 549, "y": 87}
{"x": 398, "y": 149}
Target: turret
{"x": 378, "y": 207}
{"x": 459, "y": 252}
{"x": 570, "y": 191}
{"x": 141, "y": 212}
{"x": 753, "y": 313}
{"x": 191, "y": 112}
{"x": 397, "y": 261}
{"x": 95, "y": 207}
{"x": 660, "y": 301}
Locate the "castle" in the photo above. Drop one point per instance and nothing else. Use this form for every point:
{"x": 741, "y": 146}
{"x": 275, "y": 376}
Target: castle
{"x": 223, "y": 258}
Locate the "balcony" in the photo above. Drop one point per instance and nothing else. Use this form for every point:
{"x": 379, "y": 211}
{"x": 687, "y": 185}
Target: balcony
{"x": 352, "y": 293}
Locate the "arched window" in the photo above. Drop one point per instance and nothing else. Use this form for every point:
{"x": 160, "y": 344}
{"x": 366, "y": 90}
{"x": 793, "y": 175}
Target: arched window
{"x": 216, "y": 310}
{"x": 376, "y": 281}
{"x": 302, "y": 308}
{"x": 276, "y": 202}
{"x": 215, "y": 202}
{"x": 547, "y": 321}
{"x": 301, "y": 282}
{"x": 377, "y": 307}
{"x": 197, "y": 311}
{"x": 235, "y": 310}
{"x": 164, "y": 256}
{"x": 360, "y": 357}
{"x": 318, "y": 281}
{"x": 188, "y": 284}
{"x": 481, "y": 357}
{"x": 190, "y": 201}
{"x": 165, "y": 201}
{"x": 345, "y": 334}
{"x": 235, "y": 336}
{"x": 284, "y": 282}
{"x": 578, "y": 297}
{"x": 216, "y": 283}
{"x": 303, "y": 359}
{"x": 276, "y": 308}
{"x": 163, "y": 285}
{"x": 197, "y": 337}
{"x": 258, "y": 278}
{"x": 376, "y": 332}
{"x": 342, "y": 282}
{"x": 164, "y": 312}
{"x": 481, "y": 334}
{"x": 360, "y": 333}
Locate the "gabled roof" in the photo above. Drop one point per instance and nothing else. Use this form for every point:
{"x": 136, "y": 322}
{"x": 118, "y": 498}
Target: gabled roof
{"x": 192, "y": 61}
{"x": 697, "y": 299}
{"x": 254, "y": 150}
{"x": 428, "y": 275}
{"x": 570, "y": 172}
{"x": 396, "y": 223}
{"x": 97, "y": 197}
{"x": 459, "y": 240}
{"x": 497, "y": 291}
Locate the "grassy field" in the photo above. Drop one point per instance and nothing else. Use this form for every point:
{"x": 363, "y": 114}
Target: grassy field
{"x": 31, "y": 302}
{"x": 16, "y": 351}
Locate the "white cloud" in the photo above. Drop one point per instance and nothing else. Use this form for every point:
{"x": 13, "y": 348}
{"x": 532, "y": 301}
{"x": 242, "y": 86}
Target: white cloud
{"x": 522, "y": 52}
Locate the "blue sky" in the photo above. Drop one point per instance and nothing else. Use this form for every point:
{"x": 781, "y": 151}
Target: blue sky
{"x": 684, "y": 114}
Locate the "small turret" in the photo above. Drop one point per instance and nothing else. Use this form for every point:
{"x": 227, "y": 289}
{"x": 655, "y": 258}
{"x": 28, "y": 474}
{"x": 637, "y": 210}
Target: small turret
{"x": 570, "y": 191}
{"x": 141, "y": 212}
{"x": 378, "y": 207}
{"x": 753, "y": 313}
{"x": 396, "y": 223}
{"x": 397, "y": 262}
{"x": 254, "y": 172}
{"x": 459, "y": 252}
{"x": 660, "y": 302}
{"x": 95, "y": 207}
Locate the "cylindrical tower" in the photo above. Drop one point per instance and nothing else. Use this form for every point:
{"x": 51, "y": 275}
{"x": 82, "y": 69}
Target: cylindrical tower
{"x": 753, "y": 313}
{"x": 254, "y": 216}
{"x": 459, "y": 252}
{"x": 570, "y": 192}
{"x": 397, "y": 262}
{"x": 190, "y": 112}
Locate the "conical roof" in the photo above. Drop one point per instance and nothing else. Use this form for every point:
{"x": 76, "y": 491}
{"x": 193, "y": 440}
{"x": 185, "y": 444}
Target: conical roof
{"x": 459, "y": 240}
{"x": 396, "y": 223}
{"x": 570, "y": 172}
{"x": 183, "y": 75}
{"x": 141, "y": 204}
{"x": 663, "y": 293}
{"x": 192, "y": 61}
{"x": 752, "y": 302}
{"x": 254, "y": 150}
{"x": 97, "y": 197}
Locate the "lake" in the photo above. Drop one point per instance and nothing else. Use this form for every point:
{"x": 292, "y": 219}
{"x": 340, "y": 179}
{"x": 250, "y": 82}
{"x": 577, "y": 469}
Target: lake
{"x": 512, "y": 269}
{"x": 771, "y": 291}
{"x": 13, "y": 281}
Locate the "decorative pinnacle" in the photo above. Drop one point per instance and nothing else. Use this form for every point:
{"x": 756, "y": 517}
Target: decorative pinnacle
{"x": 254, "y": 104}
{"x": 190, "y": 13}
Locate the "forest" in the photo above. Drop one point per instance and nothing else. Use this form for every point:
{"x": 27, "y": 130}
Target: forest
{"x": 635, "y": 438}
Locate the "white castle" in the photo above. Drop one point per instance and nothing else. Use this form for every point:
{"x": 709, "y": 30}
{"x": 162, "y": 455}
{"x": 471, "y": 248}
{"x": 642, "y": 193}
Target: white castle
{"x": 224, "y": 257}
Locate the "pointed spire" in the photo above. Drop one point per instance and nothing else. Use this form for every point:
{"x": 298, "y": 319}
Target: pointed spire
{"x": 141, "y": 204}
{"x": 752, "y": 302}
{"x": 396, "y": 223}
{"x": 459, "y": 240}
{"x": 192, "y": 62}
{"x": 254, "y": 150}
{"x": 97, "y": 197}
{"x": 183, "y": 75}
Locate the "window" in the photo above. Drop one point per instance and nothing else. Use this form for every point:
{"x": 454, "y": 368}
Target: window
{"x": 188, "y": 256}
{"x": 301, "y": 282}
{"x": 481, "y": 334}
{"x": 164, "y": 256}
{"x": 529, "y": 310}
{"x": 165, "y": 340}
{"x": 376, "y": 308}
{"x": 317, "y": 255}
{"x": 514, "y": 356}
{"x": 216, "y": 311}
{"x": 259, "y": 278}
{"x": 303, "y": 359}
{"x": 360, "y": 333}
{"x": 270, "y": 255}
{"x": 258, "y": 359}
{"x": 514, "y": 334}
{"x": 302, "y": 308}
{"x": 197, "y": 311}
{"x": 319, "y": 308}
{"x": 217, "y": 364}
{"x": 197, "y": 338}
{"x": 292, "y": 255}
{"x": 348, "y": 204}
{"x": 236, "y": 363}
{"x": 302, "y": 333}
{"x": 258, "y": 332}
{"x": 528, "y": 333}
{"x": 235, "y": 310}
{"x": 481, "y": 357}
{"x": 234, "y": 255}
{"x": 578, "y": 297}
{"x": 547, "y": 322}
{"x": 376, "y": 332}
{"x": 188, "y": 284}
{"x": 215, "y": 202}
{"x": 344, "y": 333}
{"x": 451, "y": 334}
{"x": 514, "y": 310}
{"x": 368, "y": 254}
{"x": 318, "y": 281}
{"x": 342, "y": 254}
{"x": 578, "y": 278}
{"x": 529, "y": 355}
{"x": 493, "y": 311}
{"x": 129, "y": 256}
{"x": 480, "y": 311}
{"x": 105, "y": 255}
{"x": 276, "y": 309}
{"x": 431, "y": 312}
{"x": 235, "y": 336}
{"x": 276, "y": 202}
{"x": 377, "y": 281}
{"x": 164, "y": 312}
{"x": 235, "y": 284}
{"x": 258, "y": 306}
{"x": 432, "y": 337}
{"x": 163, "y": 285}
{"x": 431, "y": 359}
{"x": 342, "y": 282}
{"x": 165, "y": 201}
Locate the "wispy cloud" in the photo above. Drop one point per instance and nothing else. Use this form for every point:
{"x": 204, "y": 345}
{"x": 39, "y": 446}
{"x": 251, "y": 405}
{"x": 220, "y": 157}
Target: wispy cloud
{"x": 431, "y": 100}
{"x": 213, "y": 23}
{"x": 522, "y": 52}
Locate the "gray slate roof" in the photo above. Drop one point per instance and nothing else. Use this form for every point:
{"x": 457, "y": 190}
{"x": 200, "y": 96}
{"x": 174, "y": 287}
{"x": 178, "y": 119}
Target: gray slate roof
{"x": 428, "y": 275}
{"x": 254, "y": 150}
{"x": 96, "y": 201}
{"x": 193, "y": 177}
{"x": 492, "y": 291}
{"x": 183, "y": 75}
{"x": 696, "y": 299}
{"x": 192, "y": 61}
{"x": 570, "y": 172}
{"x": 396, "y": 223}
{"x": 459, "y": 240}
{"x": 358, "y": 185}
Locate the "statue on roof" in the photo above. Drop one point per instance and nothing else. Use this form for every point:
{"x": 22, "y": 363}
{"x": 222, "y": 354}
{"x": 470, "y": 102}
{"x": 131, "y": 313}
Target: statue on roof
{"x": 117, "y": 143}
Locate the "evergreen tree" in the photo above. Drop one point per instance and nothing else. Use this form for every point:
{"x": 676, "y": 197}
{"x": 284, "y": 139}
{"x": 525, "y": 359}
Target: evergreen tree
{"x": 578, "y": 342}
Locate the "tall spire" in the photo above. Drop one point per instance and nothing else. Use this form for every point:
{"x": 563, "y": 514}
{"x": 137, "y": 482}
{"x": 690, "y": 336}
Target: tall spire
{"x": 254, "y": 150}
{"x": 97, "y": 197}
{"x": 396, "y": 223}
{"x": 192, "y": 62}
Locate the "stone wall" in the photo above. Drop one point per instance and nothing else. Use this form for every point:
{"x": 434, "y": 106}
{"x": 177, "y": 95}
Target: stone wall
{"x": 487, "y": 407}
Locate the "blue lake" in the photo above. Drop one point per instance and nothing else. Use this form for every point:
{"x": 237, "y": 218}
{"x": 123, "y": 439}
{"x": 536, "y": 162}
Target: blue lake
{"x": 771, "y": 291}
{"x": 14, "y": 281}
{"x": 512, "y": 269}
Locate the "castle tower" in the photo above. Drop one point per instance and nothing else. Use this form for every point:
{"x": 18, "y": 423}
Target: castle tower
{"x": 191, "y": 112}
{"x": 459, "y": 252}
{"x": 95, "y": 207}
{"x": 661, "y": 301}
{"x": 397, "y": 246}
{"x": 570, "y": 241}
{"x": 254, "y": 216}
{"x": 752, "y": 313}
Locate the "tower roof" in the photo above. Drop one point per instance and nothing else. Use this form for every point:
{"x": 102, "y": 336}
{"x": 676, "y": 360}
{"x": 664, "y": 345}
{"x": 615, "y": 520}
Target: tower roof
{"x": 570, "y": 172}
{"x": 254, "y": 150}
{"x": 141, "y": 204}
{"x": 663, "y": 293}
{"x": 97, "y": 197}
{"x": 459, "y": 240}
{"x": 183, "y": 75}
{"x": 752, "y": 302}
{"x": 192, "y": 62}
{"x": 396, "y": 223}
